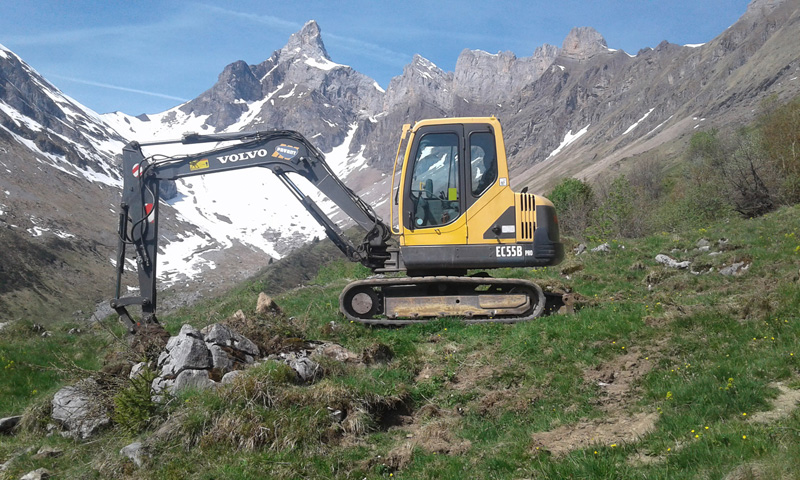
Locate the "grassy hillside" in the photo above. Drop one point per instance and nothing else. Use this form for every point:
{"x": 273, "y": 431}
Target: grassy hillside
{"x": 665, "y": 373}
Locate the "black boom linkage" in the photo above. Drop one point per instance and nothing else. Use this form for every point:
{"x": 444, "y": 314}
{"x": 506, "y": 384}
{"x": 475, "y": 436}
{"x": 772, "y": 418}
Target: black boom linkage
{"x": 281, "y": 151}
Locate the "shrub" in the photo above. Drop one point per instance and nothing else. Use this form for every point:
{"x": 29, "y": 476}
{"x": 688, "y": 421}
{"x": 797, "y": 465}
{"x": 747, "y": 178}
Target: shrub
{"x": 574, "y": 201}
{"x": 134, "y": 407}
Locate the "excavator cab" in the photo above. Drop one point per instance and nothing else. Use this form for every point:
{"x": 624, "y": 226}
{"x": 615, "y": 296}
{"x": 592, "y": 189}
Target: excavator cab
{"x": 456, "y": 208}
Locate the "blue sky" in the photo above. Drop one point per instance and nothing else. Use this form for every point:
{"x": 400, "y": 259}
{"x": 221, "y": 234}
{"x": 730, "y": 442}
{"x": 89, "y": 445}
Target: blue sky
{"x": 148, "y": 56}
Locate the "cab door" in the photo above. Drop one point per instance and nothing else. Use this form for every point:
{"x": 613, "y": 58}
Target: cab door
{"x": 434, "y": 199}
{"x": 490, "y": 201}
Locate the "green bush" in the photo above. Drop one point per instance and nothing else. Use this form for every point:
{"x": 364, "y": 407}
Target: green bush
{"x": 134, "y": 408}
{"x": 574, "y": 201}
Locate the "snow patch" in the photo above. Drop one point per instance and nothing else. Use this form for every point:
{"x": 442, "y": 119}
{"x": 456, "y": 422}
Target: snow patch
{"x": 322, "y": 64}
{"x": 568, "y": 139}
{"x": 638, "y": 122}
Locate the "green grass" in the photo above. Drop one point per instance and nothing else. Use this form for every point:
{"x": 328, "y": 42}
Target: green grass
{"x": 465, "y": 401}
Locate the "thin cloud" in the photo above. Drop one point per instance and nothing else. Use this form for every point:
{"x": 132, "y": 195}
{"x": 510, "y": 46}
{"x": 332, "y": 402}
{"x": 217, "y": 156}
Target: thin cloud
{"x": 364, "y": 48}
{"x": 118, "y": 87}
{"x": 269, "y": 20}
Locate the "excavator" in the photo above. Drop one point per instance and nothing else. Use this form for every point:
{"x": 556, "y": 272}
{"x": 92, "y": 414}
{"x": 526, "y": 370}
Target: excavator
{"x": 452, "y": 211}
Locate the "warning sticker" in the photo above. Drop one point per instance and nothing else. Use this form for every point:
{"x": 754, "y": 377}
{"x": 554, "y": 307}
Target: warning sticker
{"x": 198, "y": 164}
{"x": 286, "y": 152}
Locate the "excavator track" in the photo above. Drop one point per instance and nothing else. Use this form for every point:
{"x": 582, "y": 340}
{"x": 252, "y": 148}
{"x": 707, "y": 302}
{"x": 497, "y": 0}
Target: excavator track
{"x": 410, "y": 300}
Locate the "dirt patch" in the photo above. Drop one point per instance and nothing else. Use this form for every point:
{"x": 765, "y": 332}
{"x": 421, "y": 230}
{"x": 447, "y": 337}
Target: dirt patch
{"x": 616, "y": 379}
{"x": 431, "y": 430}
{"x": 471, "y": 377}
{"x": 782, "y": 406}
{"x": 612, "y": 431}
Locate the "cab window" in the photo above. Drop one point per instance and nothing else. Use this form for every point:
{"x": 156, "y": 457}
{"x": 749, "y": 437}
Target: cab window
{"x": 483, "y": 162}
{"x": 434, "y": 181}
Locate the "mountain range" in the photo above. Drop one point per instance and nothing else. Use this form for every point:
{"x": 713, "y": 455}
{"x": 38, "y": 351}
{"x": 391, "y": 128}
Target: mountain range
{"x": 580, "y": 110}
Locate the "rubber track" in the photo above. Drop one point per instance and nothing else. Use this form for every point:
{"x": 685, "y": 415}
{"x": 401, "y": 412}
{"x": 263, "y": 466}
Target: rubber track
{"x": 384, "y": 282}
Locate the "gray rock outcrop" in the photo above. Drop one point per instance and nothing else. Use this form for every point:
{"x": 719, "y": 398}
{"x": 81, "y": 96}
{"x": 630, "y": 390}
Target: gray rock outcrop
{"x": 135, "y": 452}
{"x": 79, "y": 410}
{"x": 199, "y": 358}
{"x": 671, "y": 262}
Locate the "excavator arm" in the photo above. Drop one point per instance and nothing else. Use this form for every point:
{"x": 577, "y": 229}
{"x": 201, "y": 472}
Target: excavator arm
{"x": 281, "y": 151}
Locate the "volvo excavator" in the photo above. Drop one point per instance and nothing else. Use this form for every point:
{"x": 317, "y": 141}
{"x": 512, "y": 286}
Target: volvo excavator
{"x": 452, "y": 210}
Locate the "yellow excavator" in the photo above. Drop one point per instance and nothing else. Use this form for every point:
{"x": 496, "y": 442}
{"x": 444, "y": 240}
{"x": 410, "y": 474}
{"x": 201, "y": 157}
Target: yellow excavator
{"x": 452, "y": 211}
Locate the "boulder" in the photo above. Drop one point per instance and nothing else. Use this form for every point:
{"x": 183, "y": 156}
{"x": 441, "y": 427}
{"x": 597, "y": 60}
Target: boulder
{"x": 7, "y": 424}
{"x": 48, "y": 452}
{"x": 306, "y": 369}
{"x": 671, "y": 262}
{"x": 735, "y": 269}
{"x": 38, "y": 474}
{"x": 135, "y": 452}
{"x": 230, "y": 376}
{"x": 79, "y": 409}
{"x": 336, "y": 352}
{"x": 265, "y": 305}
{"x": 185, "y": 351}
{"x": 604, "y": 248}
{"x": 223, "y": 336}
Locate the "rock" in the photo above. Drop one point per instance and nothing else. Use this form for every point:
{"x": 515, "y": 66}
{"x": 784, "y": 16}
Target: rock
{"x": 702, "y": 243}
{"x": 48, "y": 452}
{"x": 4, "y": 325}
{"x": 46, "y": 334}
{"x": 137, "y": 370}
{"x": 604, "y": 248}
{"x": 134, "y": 452}
{"x": 581, "y": 248}
{"x": 189, "y": 331}
{"x": 38, "y": 474}
{"x": 583, "y": 43}
{"x": 220, "y": 359}
{"x": 74, "y": 331}
{"x": 230, "y": 377}
{"x": 266, "y": 305}
{"x": 336, "y": 352}
{"x": 224, "y": 336}
{"x": 307, "y": 370}
{"x": 671, "y": 262}
{"x": 735, "y": 269}
{"x": 7, "y": 424}
{"x": 336, "y": 414}
{"x": 198, "y": 379}
{"x": 185, "y": 351}
{"x": 78, "y": 409}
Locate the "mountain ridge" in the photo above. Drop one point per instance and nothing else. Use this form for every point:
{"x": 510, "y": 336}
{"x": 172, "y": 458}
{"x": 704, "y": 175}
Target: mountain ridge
{"x": 576, "y": 110}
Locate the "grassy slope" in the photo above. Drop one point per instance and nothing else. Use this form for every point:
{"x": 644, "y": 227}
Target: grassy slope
{"x": 689, "y": 361}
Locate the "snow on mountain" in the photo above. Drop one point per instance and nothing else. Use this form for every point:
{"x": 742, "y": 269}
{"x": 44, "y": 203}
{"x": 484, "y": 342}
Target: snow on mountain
{"x": 32, "y": 107}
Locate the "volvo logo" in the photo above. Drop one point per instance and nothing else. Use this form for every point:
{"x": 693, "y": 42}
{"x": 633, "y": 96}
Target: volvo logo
{"x": 235, "y": 157}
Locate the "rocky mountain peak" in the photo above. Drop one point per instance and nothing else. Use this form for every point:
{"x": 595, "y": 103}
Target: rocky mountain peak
{"x": 582, "y": 43}
{"x": 239, "y": 82}
{"x": 763, "y": 7}
{"x": 307, "y": 41}
{"x": 421, "y": 63}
